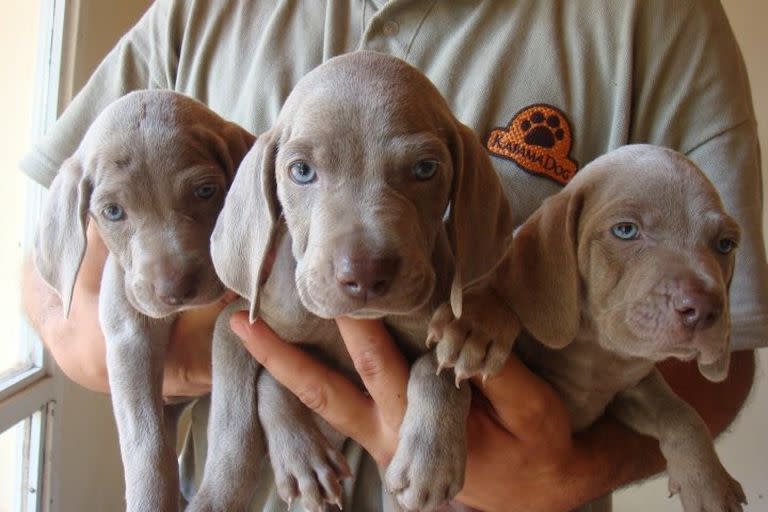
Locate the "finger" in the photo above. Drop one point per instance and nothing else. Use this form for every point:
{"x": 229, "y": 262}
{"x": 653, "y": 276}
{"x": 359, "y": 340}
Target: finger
{"x": 380, "y": 364}
{"x": 524, "y": 403}
{"x": 326, "y": 392}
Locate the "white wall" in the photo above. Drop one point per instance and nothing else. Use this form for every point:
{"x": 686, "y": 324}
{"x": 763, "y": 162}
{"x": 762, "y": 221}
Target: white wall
{"x": 744, "y": 447}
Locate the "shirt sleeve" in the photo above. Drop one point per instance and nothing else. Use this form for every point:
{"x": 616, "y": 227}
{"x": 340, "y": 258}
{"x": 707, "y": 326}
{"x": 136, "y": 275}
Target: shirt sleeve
{"x": 144, "y": 58}
{"x": 693, "y": 95}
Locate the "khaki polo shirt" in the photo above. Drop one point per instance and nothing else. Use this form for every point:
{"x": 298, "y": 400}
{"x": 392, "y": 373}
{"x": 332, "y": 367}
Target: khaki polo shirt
{"x": 547, "y": 85}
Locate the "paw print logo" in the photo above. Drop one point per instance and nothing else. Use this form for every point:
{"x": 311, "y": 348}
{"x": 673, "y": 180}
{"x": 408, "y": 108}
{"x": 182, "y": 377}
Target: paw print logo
{"x": 541, "y": 130}
{"x": 538, "y": 139}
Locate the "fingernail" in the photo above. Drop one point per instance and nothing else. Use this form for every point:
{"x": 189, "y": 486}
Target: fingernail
{"x": 239, "y": 324}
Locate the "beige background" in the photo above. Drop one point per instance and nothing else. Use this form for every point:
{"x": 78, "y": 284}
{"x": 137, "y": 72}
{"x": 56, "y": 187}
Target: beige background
{"x": 86, "y": 470}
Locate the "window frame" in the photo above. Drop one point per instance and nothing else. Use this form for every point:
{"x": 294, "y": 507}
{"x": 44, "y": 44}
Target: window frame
{"x": 29, "y": 395}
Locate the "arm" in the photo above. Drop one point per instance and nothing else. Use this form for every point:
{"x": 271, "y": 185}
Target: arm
{"x": 77, "y": 343}
{"x": 519, "y": 440}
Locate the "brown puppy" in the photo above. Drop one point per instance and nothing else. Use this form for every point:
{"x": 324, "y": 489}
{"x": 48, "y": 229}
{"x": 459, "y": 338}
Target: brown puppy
{"x": 628, "y": 265}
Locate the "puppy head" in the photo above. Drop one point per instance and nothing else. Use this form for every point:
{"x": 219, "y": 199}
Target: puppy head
{"x": 152, "y": 172}
{"x": 637, "y": 245}
{"x": 363, "y": 163}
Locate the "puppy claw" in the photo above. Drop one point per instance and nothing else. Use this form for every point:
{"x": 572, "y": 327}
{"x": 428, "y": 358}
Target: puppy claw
{"x": 440, "y": 368}
{"x": 431, "y": 339}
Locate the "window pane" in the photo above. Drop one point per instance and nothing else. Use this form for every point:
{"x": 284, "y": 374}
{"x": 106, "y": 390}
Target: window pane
{"x": 18, "y": 52}
{"x": 15, "y": 446}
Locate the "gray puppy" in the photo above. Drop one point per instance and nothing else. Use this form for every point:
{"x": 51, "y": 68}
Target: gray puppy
{"x": 628, "y": 265}
{"x": 338, "y": 210}
{"x": 152, "y": 172}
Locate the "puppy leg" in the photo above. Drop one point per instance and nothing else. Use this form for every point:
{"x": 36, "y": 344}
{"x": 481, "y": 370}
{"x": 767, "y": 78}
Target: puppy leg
{"x": 694, "y": 469}
{"x": 135, "y": 351}
{"x": 428, "y": 466}
{"x": 303, "y": 449}
{"x": 478, "y": 343}
{"x": 235, "y": 442}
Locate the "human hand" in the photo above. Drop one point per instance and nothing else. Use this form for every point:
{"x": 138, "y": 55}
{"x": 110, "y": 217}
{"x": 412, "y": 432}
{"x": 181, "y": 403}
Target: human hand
{"x": 520, "y": 447}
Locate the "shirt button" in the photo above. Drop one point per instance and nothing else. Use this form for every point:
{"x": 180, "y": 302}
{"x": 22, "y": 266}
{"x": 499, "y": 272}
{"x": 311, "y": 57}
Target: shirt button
{"x": 391, "y": 28}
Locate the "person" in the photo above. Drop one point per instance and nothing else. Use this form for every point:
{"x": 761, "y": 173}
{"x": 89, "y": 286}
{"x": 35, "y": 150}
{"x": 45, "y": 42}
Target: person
{"x": 548, "y": 86}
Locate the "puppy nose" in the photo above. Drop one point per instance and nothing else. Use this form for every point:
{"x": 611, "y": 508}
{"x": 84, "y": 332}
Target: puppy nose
{"x": 176, "y": 290}
{"x": 361, "y": 276}
{"x": 699, "y": 310}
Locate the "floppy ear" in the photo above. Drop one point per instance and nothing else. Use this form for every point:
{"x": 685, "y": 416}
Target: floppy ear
{"x": 236, "y": 142}
{"x": 228, "y": 142}
{"x": 541, "y": 275}
{"x": 480, "y": 220}
{"x": 717, "y": 371}
{"x": 61, "y": 239}
{"x": 246, "y": 227}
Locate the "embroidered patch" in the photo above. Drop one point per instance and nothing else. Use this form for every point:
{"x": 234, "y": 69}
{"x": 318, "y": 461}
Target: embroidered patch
{"x": 538, "y": 139}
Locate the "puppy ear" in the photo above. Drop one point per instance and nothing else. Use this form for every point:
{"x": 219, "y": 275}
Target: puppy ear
{"x": 61, "y": 238}
{"x": 236, "y": 142}
{"x": 246, "y": 227}
{"x": 541, "y": 276}
{"x": 717, "y": 371}
{"x": 480, "y": 220}
{"x": 227, "y": 142}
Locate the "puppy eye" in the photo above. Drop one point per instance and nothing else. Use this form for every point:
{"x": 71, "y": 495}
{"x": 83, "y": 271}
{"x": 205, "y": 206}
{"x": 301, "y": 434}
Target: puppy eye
{"x": 205, "y": 191}
{"x": 726, "y": 245}
{"x": 425, "y": 169}
{"x": 302, "y": 173}
{"x": 625, "y": 230}
{"x": 113, "y": 212}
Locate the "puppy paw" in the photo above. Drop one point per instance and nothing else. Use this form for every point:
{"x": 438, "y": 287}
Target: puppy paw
{"x": 479, "y": 342}
{"x": 426, "y": 471}
{"x": 306, "y": 466}
{"x": 706, "y": 489}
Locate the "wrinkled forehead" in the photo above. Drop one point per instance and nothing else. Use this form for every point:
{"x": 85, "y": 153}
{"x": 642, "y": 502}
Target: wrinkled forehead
{"x": 664, "y": 191}
{"x": 137, "y": 154}
{"x": 374, "y": 95}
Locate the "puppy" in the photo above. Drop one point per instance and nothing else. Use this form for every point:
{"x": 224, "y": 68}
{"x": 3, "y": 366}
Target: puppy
{"x": 338, "y": 210}
{"x": 627, "y": 266}
{"x": 152, "y": 172}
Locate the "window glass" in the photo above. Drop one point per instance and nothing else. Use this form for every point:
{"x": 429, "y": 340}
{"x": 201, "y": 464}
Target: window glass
{"x": 14, "y": 450}
{"x": 18, "y": 51}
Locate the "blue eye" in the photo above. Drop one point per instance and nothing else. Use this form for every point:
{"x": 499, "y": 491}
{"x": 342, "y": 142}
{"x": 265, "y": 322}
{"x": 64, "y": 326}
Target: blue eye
{"x": 726, "y": 245}
{"x": 113, "y": 212}
{"x": 302, "y": 173}
{"x": 205, "y": 191}
{"x": 425, "y": 169}
{"x": 625, "y": 230}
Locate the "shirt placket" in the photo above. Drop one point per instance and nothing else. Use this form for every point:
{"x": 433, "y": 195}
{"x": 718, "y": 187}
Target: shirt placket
{"x": 391, "y": 27}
